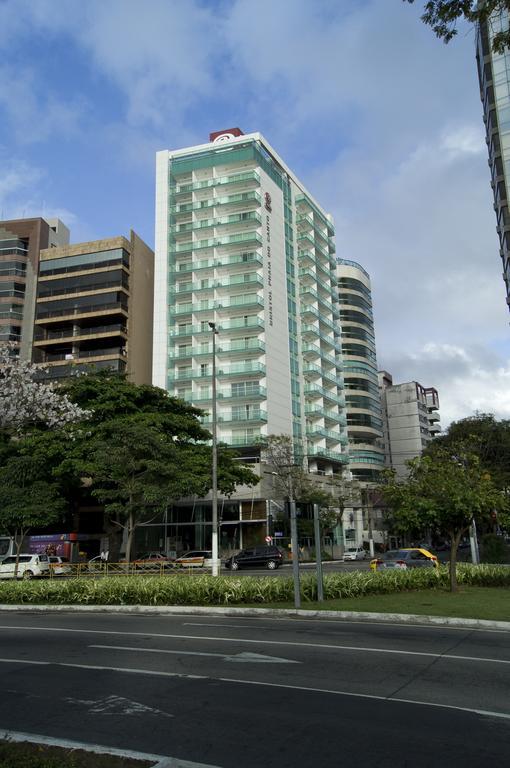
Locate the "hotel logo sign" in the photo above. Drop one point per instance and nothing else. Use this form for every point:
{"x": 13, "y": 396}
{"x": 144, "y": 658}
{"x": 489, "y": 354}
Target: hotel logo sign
{"x": 267, "y": 202}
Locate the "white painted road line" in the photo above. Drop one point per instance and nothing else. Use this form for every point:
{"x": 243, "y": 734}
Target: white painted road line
{"x": 159, "y": 761}
{"x": 116, "y": 705}
{"x": 238, "y": 657}
{"x": 285, "y": 686}
{"x": 285, "y": 643}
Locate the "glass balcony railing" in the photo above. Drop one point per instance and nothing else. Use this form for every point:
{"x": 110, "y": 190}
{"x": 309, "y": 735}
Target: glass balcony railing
{"x": 325, "y": 453}
{"x": 322, "y": 413}
{"x": 238, "y": 218}
{"x": 233, "y": 417}
{"x": 242, "y": 368}
{"x": 250, "y": 438}
{"x": 241, "y": 324}
{"x": 239, "y": 199}
{"x": 251, "y": 393}
{"x": 237, "y": 178}
{"x": 254, "y": 345}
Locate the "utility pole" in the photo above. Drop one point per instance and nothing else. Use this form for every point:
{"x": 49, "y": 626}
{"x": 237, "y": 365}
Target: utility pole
{"x": 294, "y": 544}
{"x": 215, "y": 568}
{"x": 318, "y": 553}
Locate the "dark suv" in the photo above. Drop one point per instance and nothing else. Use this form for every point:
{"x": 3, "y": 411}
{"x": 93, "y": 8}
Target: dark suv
{"x": 265, "y": 557}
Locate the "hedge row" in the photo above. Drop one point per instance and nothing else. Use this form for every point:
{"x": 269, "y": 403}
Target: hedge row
{"x": 207, "y": 590}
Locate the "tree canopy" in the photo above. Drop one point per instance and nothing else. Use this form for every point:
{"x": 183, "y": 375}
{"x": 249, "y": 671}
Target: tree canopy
{"x": 443, "y": 16}
{"x": 143, "y": 449}
{"x": 444, "y": 492}
{"x": 485, "y": 436}
{"x": 136, "y": 450}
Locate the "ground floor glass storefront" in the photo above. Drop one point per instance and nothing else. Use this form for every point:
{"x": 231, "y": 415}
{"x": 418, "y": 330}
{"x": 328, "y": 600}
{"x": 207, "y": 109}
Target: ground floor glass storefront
{"x": 183, "y": 527}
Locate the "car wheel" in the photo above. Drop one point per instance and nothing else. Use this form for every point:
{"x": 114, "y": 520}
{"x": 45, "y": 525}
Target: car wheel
{"x": 271, "y": 565}
{"x": 28, "y": 575}
{"x": 234, "y": 566}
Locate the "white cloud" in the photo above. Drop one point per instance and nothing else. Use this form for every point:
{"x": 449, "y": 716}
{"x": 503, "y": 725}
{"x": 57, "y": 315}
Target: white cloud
{"x": 468, "y": 379}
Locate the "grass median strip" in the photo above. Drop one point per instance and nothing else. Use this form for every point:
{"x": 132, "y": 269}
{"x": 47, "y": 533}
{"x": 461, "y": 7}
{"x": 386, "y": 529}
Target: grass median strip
{"x": 342, "y": 591}
{"x": 490, "y": 603}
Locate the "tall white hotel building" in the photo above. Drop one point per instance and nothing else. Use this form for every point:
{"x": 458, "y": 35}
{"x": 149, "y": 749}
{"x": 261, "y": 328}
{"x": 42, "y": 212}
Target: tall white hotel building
{"x": 242, "y": 244}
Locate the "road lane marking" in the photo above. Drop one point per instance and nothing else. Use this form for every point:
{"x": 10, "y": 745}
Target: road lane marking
{"x": 117, "y": 705}
{"x": 290, "y": 644}
{"x": 238, "y": 657}
{"x": 285, "y": 686}
{"x": 159, "y": 761}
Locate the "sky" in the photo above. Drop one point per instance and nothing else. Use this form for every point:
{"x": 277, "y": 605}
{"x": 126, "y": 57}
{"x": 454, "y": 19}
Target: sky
{"x": 380, "y": 120}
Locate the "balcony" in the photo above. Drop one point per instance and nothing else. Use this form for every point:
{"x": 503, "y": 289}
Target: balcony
{"x": 252, "y": 393}
{"x": 252, "y": 279}
{"x": 238, "y": 441}
{"x": 93, "y": 309}
{"x": 314, "y": 412}
{"x": 256, "y": 415}
{"x": 241, "y": 347}
{"x": 45, "y": 337}
{"x": 248, "y": 177}
{"x": 237, "y": 369}
{"x": 241, "y": 324}
{"x": 325, "y": 453}
{"x": 85, "y": 354}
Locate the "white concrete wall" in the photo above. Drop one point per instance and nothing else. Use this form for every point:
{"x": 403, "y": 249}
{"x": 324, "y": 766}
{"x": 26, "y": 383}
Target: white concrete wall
{"x": 160, "y": 332}
{"x": 279, "y": 403}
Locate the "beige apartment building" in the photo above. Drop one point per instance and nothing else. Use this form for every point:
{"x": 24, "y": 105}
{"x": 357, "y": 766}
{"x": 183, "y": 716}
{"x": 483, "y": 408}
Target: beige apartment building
{"x": 94, "y": 307}
{"x": 21, "y": 241}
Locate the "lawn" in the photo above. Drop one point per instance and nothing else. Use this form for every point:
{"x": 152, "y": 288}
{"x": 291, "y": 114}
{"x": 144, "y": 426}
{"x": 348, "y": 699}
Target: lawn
{"x": 26, "y": 755}
{"x": 468, "y": 603}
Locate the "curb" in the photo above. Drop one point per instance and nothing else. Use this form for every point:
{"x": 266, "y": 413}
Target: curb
{"x": 169, "y": 610}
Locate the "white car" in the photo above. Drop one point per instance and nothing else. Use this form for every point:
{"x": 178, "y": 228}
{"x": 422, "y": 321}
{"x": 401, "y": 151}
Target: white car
{"x": 59, "y": 565}
{"x": 354, "y": 553}
{"x": 29, "y": 567}
{"x": 197, "y": 558}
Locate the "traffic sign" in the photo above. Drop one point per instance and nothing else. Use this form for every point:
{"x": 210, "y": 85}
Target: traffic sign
{"x": 268, "y": 539}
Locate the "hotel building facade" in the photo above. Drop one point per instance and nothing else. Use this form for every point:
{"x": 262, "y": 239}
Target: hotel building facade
{"x": 240, "y": 243}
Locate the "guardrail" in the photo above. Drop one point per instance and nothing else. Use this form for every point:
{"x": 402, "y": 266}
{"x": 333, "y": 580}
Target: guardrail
{"x": 102, "y": 569}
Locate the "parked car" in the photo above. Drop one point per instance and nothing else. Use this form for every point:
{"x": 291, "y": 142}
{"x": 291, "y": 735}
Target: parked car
{"x": 59, "y": 566}
{"x": 29, "y": 567}
{"x": 258, "y": 557}
{"x": 412, "y": 557}
{"x": 196, "y": 558}
{"x": 354, "y": 553}
{"x": 152, "y": 560}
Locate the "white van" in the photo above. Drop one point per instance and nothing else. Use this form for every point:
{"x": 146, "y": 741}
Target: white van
{"x": 29, "y": 567}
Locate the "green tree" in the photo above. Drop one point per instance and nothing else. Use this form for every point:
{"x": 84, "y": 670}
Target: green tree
{"x": 443, "y": 16}
{"x": 143, "y": 449}
{"x": 485, "y": 436}
{"x": 27, "y": 499}
{"x": 444, "y": 492}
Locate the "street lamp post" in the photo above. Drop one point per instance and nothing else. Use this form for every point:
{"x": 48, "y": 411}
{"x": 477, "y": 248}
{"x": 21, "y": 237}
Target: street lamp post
{"x": 215, "y": 569}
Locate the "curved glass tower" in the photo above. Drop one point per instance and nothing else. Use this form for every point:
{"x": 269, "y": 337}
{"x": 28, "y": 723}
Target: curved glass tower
{"x": 363, "y": 404}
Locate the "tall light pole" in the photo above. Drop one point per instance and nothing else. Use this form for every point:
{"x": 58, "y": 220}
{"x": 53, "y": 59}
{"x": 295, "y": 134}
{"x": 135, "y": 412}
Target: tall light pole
{"x": 215, "y": 568}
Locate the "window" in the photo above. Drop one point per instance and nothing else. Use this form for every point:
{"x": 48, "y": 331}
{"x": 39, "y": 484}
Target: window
{"x": 204, "y": 369}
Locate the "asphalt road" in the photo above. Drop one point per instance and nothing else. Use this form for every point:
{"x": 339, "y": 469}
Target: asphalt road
{"x": 251, "y": 692}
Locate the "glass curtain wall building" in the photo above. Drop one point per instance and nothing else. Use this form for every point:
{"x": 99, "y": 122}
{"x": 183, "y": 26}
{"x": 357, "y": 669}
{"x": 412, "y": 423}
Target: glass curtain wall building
{"x": 494, "y": 77}
{"x": 240, "y": 243}
{"x": 364, "y": 413}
